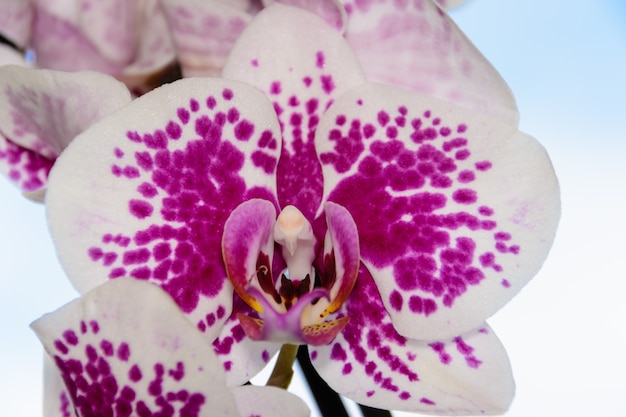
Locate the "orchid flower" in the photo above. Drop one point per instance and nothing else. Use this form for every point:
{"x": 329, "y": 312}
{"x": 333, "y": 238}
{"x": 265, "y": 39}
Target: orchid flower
{"x": 294, "y": 201}
{"x": 126, "y": 39}
{"x": 41, "y": 111}
{"x": 125, "y": 348}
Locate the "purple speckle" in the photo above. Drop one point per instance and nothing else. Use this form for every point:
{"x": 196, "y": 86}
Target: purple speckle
{"x": 328, "y": 85}
{"x": 319, "y": 60}
{"x": 244, "y": 130}
{"x": 227, "y": 93}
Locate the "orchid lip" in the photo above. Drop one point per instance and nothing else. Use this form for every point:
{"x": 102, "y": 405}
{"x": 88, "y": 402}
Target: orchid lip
{"x": 291, "y": 307}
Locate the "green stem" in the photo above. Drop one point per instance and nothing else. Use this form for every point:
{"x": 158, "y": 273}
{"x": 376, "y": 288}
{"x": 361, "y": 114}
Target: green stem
{"x": 283, "y": 369}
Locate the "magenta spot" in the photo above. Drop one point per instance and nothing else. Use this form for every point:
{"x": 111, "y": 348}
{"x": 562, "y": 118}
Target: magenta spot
{"x": 254, "y": 62}
{"x": 134, "y": 374}
{"x": 505, "y": 283}
{"x": 319, "y": 59}
{"x": 462, "y": 128}
{"x": 118, "y": 153}
{"x": 483, "y": 165}
{"x": 244, "y": 130}
{"x": 211, "y": 102}
{"x": 60, "y": 346}
{"x": 306, "y": 80}
{"x": 396, "y": 300}
{"x": 338, "y": 353}
{"x": 123, "y": 352}
{"x": 194, "y": 105}
{"x": 183, "y": 115}
{"x": 404, "y": 395}
{"x": 425, "y": 400}
{"x": 328, "y": 85}
{"x": 173, "y": 130}
{"x": 275, "y": 88}
{"x": 465, "y": 196}
{"x": 227, "y": 93}
{"x": 140, "y": 209}
{"x": 347, "y": 369}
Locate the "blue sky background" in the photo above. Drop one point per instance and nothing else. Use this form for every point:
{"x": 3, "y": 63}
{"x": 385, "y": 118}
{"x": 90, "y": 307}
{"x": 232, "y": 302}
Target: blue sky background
{"x": 566, "y": 63}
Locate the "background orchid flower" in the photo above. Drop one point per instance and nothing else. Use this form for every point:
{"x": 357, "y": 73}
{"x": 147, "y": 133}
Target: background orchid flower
{"x": 41, "y": 111}
{"x": 455, "y": 211}
{"x": 125, "y": 348}
{"x": 125, "y": 39}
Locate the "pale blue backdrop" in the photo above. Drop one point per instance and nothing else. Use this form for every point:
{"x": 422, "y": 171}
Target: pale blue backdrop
{"x": 566, "y": 63}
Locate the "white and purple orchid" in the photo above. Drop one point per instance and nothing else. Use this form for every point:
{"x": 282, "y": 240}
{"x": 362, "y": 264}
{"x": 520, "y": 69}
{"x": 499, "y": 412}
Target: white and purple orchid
{"x": 294, "y": 201}
{"x": 125, "y": 349}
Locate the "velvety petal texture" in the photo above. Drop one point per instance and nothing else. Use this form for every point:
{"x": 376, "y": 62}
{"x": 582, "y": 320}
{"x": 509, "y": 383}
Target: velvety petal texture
{"x": 41, "y": 111}
{"x": 159, "y": 179}
{"x": 123, "y": 353}
{"x": 417, "y": 46}
{"x": 332, "y": 11}
{"x": 455, "y": 210}
{"x": 268, "y": 402}
{"x": 302, "y": 73}
{"x": 372, "y": 364}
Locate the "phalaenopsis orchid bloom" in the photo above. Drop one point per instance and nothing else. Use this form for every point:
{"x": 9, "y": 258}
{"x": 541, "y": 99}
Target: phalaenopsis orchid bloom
{"x": 294, "y": 201}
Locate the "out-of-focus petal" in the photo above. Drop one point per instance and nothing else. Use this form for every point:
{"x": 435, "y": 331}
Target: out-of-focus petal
{"x": 204, "y": 32}
{"x": 416, "y": 46}
{"x": 332, "y": 11}
{"x": 302, "y": 64}
{"x": 41, "y": 111}
{"x": 16, "y": 19}
{"x": 117, "y": 37}
{"x": 146, "y": 192}
{"x": 125, "y": 347}
{"x": 450, "y": 4}
{"x": 154, "y": 53}
{"x": 268, "y": 402}
{"x": 456, "y": 212}
{"x": 27, "y": 169}
{"x": 370, "y": 363}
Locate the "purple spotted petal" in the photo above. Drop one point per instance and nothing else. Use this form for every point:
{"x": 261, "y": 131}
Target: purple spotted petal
{"x": 268, "y": 402}
{"x": 307, "y": 66}
{"x": 41, "y": 111}
{"x": 204, "y": 32}
{"x": 16, "y": 17}
{"x": 146, "y": 192}
{"x": 416, "y": 46}
{"x": 27, "y": 169}
{"x": 56, "y": 400}
{"x": 455, "y": 211}
{"x": 124, "y": 348}
{"x": 374, "y": 365}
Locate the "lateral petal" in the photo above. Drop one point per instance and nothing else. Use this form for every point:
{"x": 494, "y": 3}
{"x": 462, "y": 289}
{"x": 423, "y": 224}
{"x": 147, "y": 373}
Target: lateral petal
{"x": 145, "y": 193}
{"x": 456, "y": 211}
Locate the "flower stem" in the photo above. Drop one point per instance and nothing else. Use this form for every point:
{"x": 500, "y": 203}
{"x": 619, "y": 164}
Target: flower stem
{"x": 283, "y": 370}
